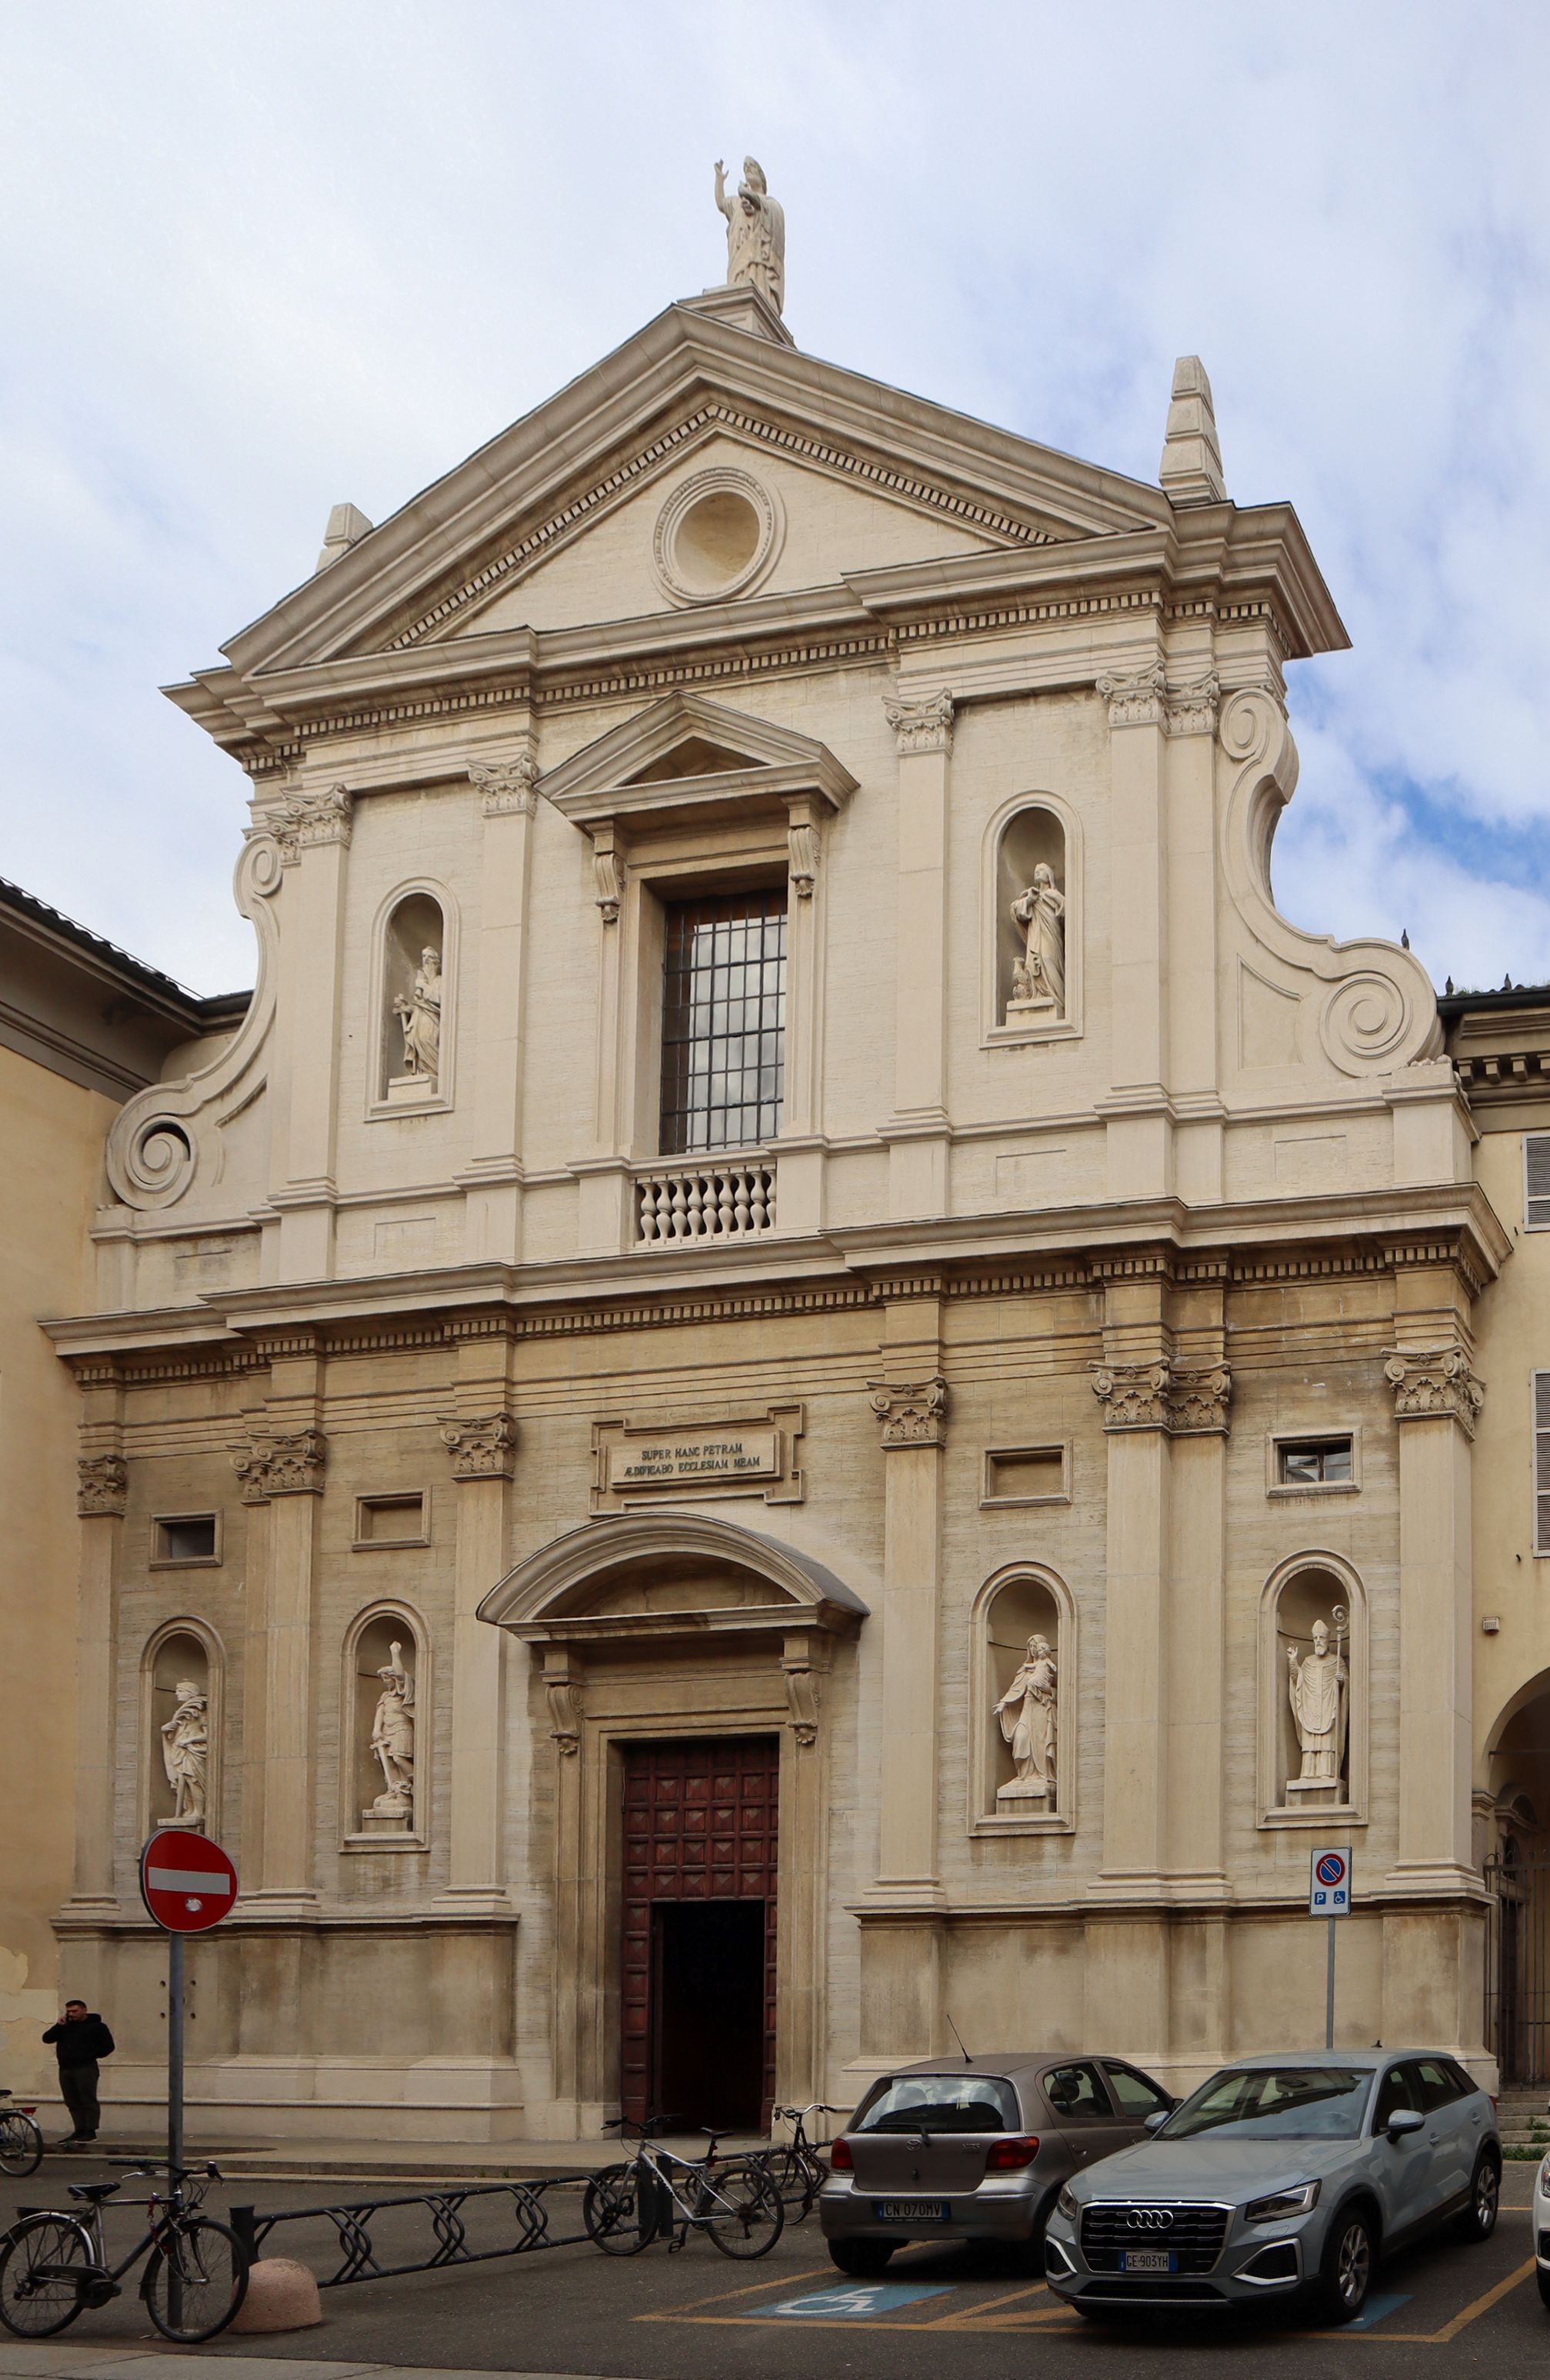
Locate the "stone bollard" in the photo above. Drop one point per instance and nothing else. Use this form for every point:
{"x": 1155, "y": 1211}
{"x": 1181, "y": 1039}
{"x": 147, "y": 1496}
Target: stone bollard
{"x": 282, "y": 2295}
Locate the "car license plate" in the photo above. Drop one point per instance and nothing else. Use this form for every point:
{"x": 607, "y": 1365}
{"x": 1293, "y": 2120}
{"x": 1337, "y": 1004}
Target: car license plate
{"x": 1146, "y": 2260}
{"x": 910, "y": 2210}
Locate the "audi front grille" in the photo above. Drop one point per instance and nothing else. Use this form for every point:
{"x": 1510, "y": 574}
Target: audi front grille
{"x": 1192, "y": 2230}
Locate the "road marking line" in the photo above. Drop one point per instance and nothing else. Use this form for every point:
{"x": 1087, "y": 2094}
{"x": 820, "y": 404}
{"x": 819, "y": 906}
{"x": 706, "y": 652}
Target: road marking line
{"x": 724, "y": 2297}
{"x": 1483, "y": 2305}
{"x": 987, "y": 2311}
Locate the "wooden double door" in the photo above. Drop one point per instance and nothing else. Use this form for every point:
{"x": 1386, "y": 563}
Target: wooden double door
{"x": 698, "y": 1936}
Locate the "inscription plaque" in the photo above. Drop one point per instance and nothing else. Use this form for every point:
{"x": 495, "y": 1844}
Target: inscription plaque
{"x": 745, "y": 1456}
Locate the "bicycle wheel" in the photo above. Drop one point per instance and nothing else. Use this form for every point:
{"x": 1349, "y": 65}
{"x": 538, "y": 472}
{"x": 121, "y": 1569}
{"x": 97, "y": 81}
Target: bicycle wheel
{"x": 195, "y": 2278}
{"x": 22, "y": 2145}
{"x": 743, "y": 2210}
{"x": 611, "y": 2211}
{"x": 44, "y": 2267}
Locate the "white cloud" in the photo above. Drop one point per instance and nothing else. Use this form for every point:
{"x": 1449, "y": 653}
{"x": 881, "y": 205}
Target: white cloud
{"x": 258, "y": 258}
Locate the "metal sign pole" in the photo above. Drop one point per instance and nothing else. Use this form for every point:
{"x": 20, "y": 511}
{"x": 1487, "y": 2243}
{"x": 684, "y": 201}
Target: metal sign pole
{"x": 174, "y": 2050}
{"x": 1329, "y": 1989}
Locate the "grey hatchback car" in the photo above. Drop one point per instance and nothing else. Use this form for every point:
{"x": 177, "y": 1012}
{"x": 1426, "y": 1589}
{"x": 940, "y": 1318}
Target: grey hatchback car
{"x": 1280, "y": 2180}
{"x": 974, "y": 2149}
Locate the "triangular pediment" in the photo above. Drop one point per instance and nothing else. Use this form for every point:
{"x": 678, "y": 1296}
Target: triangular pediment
{"x": 436, "y": 568}
{"x": 694, "y": 750}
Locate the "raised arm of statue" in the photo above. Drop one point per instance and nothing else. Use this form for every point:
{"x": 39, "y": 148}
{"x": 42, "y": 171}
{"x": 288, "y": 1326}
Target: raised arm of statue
{"x": 722, "y": 198}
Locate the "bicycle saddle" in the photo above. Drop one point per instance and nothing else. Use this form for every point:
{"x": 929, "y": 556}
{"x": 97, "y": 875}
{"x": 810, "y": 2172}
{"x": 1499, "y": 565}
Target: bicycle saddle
{"x": 94, "y": 2189}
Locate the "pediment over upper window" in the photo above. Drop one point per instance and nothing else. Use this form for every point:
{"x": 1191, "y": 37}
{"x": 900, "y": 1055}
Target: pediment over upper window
{"x": 685, "y": 755}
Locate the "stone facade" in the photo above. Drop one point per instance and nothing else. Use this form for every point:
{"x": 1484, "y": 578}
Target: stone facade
{"x": 1071, "y": 1251}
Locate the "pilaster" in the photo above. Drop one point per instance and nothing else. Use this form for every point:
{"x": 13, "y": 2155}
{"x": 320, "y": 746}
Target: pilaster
{"x": 911, "y": 1404}
{"x": 101, "y": 1502}
{"x": 313, "y": 833}
{"x": 801, "y": 1146}
{"x": 1140, "y": 1156}
{"x": 480, "y": 1436}
{"x": 1436, "y": 1401}
{"x": 281, "y": 1463}
{"x": 493, "y": 1183}
{"x": 917, "y": 1131}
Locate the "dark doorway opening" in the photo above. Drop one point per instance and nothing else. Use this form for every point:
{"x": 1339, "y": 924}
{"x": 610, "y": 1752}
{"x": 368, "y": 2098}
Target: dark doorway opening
{"x": 698, "y": 1939}
{"x": 708, "y": 2005}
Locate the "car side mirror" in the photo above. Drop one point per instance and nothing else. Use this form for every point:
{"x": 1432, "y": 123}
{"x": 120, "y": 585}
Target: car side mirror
{"x": 1159, "y": 2116}
{"x": 1403, "y": 2121}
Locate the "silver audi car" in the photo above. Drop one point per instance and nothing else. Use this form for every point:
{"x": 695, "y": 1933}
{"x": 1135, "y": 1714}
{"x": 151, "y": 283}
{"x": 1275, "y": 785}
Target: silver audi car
{"x": 1281, "y": 2181}
{"x": 974, "y": 2149}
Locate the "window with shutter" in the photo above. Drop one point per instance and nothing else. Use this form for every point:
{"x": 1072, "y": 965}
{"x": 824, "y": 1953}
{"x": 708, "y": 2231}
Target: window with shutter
{"x": 1536, "y": 1181}
{"x": 1542, "y": 1462}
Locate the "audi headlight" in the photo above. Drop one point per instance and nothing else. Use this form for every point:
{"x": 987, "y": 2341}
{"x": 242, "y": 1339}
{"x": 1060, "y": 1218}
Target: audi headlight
{"x": 1282, "y": 2203}
{"x": 1545, "y": 2179}
{"x": 1066, "y": 2204}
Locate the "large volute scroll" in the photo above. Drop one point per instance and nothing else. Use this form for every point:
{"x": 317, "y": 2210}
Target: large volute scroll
{"x": 161, "y": 1136}
{"x": 1374, "y": 1009}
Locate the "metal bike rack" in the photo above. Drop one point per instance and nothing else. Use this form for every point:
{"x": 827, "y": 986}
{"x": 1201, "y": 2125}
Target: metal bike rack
{"x": 531, "y": 2220}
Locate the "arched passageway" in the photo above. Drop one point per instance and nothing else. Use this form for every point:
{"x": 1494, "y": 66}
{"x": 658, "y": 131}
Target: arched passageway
{"x": 1513, "y": 1840}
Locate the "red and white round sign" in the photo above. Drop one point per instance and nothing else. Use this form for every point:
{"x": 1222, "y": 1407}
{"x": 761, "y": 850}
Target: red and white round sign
{"x": 185, "y": 1882}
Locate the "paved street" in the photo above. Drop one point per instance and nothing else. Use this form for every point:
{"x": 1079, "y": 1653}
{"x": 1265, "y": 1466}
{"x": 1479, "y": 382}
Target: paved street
{"x": 1439, "y": 2311}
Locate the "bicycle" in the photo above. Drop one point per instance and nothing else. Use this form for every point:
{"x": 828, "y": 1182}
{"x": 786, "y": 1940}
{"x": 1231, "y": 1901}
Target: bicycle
{"x": 795, "y": 2166}
{"x": 628, "y": 2206}
{"x": 21, "y": 2143}
{"x": 54, "y": 2263}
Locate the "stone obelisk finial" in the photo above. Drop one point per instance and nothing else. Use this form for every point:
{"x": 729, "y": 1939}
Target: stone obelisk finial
{"x": 1192, "y": 460}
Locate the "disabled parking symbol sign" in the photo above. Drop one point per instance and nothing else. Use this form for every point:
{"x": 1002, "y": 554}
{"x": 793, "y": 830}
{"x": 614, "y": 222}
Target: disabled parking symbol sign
{"x": 1329, "y": 1882}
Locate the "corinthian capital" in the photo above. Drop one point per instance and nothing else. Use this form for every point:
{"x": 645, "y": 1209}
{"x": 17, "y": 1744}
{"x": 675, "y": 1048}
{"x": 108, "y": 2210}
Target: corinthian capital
{"x": 913, "y": 1413}
{"x": 1135, "y": 700}
{"x": 289, "y": 1463}
{"x": 1185, "y": 1403}
{"x": 307, "y": 818}
{"x": 484, "y": 1448}
{"x": 1191, "y": 708}
{"x": 506, "y": 786}
{"x": 1433, "y": 1384}
{"x": 101, "y": 1487}
{"x": 921, "y": 725}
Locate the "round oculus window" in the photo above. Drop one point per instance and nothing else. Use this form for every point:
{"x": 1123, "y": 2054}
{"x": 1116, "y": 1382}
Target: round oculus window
{"x": 716, "y": 536}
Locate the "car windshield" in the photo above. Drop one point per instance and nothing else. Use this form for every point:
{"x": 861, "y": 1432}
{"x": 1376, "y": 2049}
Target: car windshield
{"x": 1275, "y": 2103}
{"x": 938, "y": 2103}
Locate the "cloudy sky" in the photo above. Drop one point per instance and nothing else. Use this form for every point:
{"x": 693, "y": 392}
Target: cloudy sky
{"x": 260, "y": 256}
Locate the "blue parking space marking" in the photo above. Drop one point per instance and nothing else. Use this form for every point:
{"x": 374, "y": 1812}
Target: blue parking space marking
{"x": 855, "y": 2300}
{"x": 1376, "y": 2310}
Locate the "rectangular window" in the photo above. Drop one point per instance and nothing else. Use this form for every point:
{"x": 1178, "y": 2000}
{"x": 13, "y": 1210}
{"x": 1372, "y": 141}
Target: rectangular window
{"x": 1542, "y": 1462}
{"x": 1314, "y": 1462}
{"x": 391, "y": 1521}
{"x": 723, "y": 1022}
{"x": 181, "y": 1537}
{"x": 1536, "y": 1181}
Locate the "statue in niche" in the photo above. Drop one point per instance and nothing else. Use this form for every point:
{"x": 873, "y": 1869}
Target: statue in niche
{"x": 1319, "y": 1708}
{"x": 756, "y": 232}
{"x": 186, "y": 1754}
{"x": 393, "y": 1739}
{"x": 420, "y": 1017}
{"x": 1038, "y": 978}
{"x": 1027, "y": 1713}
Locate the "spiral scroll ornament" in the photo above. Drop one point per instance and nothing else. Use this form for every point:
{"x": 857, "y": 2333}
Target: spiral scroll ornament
{"x": 1366, "y": 1019}
{"x": 159, "y": 1160}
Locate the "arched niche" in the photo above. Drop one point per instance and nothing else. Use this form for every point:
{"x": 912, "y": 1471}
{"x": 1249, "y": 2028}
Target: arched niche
{"x": 1021, "y": 1603}
{"x": 384, "y": 1736}
{"x": 1031, "y": 930}
{"x": 413, "y": 998}
{"x": 182, "y": 1684}
{"x": 1312, "y": 1592}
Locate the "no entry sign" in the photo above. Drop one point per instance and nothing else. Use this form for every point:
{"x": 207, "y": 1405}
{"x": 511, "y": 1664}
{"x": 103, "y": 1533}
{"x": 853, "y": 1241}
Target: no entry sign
{"x": 185, "y": 1883}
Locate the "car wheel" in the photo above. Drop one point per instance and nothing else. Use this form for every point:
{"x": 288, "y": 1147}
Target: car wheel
{"x": 1542, "y": 2276}
{"x": 1346, "y": 2269}
{"x": 1479, "y": 2217}
{"x": 860, "y": 2258}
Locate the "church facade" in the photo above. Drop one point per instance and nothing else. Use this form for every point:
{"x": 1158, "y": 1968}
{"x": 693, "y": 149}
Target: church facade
{"x": 802, "y": 1378}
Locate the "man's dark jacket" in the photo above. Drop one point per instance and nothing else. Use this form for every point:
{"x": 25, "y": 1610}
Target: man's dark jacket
{"x": 82, "y": 2043}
